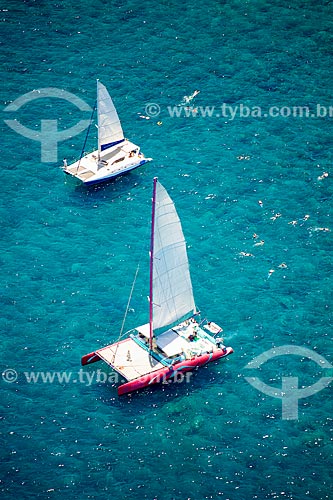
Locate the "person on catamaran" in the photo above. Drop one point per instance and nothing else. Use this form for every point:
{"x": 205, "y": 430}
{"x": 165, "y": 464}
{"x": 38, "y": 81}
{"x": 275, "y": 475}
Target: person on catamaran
{"x": 194, "y": 335}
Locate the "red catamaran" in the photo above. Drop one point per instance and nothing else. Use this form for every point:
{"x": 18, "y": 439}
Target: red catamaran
{"x": 175, "y": 340}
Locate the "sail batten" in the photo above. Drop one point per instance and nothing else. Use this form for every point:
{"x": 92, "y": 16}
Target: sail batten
{"x": 110, "y": 131}
{"x": 172, "y": 288}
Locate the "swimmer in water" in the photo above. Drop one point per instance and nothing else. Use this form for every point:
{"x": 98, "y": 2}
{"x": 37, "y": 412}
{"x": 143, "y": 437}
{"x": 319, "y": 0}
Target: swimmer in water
{"x": 195, "y": 93}
{"x": 259, "y": 243}
{"x": 321, "y": 177}
{"x": 189, "y": 98}
{"x": 245, "y": 254}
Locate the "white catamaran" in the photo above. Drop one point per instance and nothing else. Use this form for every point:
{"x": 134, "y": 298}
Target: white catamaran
{"x": 175, "y": 340}
{"x": 115, "y": 154}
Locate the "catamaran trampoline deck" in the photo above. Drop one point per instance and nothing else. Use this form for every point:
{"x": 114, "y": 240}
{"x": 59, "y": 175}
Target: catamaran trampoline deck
{"x": 129, "y": 359}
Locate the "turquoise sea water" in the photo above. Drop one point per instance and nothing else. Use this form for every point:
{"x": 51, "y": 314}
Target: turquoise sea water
{"x": 69, "y": 254}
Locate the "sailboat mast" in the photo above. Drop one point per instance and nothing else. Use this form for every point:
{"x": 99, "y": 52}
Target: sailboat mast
{"x": 151, "y": 332}
{"x": 98, "y": 120}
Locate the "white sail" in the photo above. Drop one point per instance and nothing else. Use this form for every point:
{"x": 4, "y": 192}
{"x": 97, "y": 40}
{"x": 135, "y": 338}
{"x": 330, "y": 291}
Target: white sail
{"x": 109, "y": 127}
{"x": 172, "y": 288}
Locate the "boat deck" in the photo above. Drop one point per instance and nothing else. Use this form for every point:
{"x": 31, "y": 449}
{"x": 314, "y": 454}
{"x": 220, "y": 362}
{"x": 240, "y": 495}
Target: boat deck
{"x": 129, "y": 359}
{"x": 187, "y": 339}
{"x": 114, "y": 161}
{"x": 83, "y": 169}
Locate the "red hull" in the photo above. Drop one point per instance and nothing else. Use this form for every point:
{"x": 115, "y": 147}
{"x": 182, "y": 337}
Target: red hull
{"x": 92, "y": 357}
{"x": 168, "y": 372}
{"x": 165, "y": 373}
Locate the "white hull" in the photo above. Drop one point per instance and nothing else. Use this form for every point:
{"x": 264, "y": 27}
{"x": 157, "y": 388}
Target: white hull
{"x": 113, "y": 162}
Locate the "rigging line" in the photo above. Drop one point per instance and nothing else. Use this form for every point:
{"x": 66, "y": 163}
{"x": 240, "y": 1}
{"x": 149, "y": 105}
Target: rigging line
{"x": 126, "y": 311}
{"x": 128, "y": 302}
{"x": 85, "y": 140}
